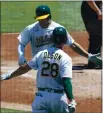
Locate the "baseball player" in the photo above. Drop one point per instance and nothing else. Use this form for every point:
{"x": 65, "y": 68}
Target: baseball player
{"x": 39, "y": 33}
{"x": 53, "y": 78}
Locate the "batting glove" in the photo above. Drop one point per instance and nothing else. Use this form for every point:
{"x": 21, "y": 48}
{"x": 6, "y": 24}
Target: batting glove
{"x": 96, "y": 59}
{"x": 5, "y": 76}
{"x": 72, "y": 106}
{"x": 22, "y": 60}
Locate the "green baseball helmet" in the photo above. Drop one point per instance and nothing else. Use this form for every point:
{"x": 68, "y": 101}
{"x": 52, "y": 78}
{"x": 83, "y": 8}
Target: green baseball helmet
{"x": 43, "y": 12}
{"x": 59, "y": 35}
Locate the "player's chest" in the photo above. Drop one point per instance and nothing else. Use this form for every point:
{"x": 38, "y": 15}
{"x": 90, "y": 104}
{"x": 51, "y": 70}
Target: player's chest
{"x": 42, "y": 37}
{"x": 42, "y": 33}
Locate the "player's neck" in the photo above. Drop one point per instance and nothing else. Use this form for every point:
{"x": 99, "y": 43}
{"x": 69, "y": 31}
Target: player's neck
{"x": 45, "y": 24}
{"x": 59, "y": 46}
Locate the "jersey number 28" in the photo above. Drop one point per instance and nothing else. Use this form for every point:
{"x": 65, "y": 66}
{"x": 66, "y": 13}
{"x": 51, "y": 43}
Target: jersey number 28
{"x": 52, "y": 67}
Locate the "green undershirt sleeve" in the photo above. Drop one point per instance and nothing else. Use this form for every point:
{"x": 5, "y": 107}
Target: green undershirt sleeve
{"x": 68, "y": 87}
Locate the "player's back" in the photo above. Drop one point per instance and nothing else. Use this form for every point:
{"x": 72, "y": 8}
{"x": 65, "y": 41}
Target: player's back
{"x": 51, "y": 63}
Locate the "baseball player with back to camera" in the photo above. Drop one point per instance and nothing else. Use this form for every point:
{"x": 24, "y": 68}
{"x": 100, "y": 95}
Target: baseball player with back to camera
{"x": 39, "y": 33}
{"x": 53, "y": 78}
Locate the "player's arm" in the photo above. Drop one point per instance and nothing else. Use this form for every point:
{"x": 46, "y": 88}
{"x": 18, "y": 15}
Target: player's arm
{"x": 75, "y": 46}
{"x": 69, "y": 92}
{"x": 68, "y": 87}
{"x": 66, "y": 73}
{"x": 21, "y": 70}
{"x": 78, "y": 49}
{"x": 24, "y": 38}
{"x": 95, "y": 58}
{"x": 21, "y": 52}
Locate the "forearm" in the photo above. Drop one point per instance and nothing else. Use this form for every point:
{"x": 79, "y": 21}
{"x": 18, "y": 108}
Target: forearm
{"x": 21, "y": 53}
{"x": 21, "y": 70}
{"x": 21, "y": 49}
{"x": 68, "y": 88}
{"x": 78, "y": 49}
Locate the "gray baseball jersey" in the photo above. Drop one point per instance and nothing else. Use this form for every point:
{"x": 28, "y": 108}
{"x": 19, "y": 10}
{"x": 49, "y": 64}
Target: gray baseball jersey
{"x": 39, "y": 38}
{"x": 52, "y": 65}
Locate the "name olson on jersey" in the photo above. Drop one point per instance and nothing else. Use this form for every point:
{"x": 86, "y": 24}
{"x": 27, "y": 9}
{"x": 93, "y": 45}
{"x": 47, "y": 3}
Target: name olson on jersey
{"x": 54, "y": 56}
{"x": 43, "y": 40}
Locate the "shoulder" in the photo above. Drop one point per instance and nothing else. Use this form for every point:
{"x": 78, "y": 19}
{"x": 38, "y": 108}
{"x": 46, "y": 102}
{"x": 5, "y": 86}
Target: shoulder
{"x": 31, "y": 26}
{"x": 40, "y": 53}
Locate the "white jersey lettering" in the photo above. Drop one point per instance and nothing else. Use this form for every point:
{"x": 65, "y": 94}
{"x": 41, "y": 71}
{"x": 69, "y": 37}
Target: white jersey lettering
{"x": 54, "y": 56}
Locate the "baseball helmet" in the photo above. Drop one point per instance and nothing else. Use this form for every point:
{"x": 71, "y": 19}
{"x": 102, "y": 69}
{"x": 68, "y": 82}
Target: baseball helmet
{"x": 59, "y": 35}
{"x": 42, "y": 12}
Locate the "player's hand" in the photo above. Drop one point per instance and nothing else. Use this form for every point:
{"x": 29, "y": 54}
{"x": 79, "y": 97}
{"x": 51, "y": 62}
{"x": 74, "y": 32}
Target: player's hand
{"x": 72, "y": 106}
{"x": 96, "y": 59}
{"x": 5, "y": 76}
{"x": 22, "y": 60}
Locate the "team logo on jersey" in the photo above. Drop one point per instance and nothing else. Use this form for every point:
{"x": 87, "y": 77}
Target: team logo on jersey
{"x": 43, "y": 40}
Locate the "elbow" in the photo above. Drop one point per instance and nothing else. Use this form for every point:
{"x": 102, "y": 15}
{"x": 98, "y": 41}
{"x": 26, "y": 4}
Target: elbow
{"x": 21, "y": 48}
